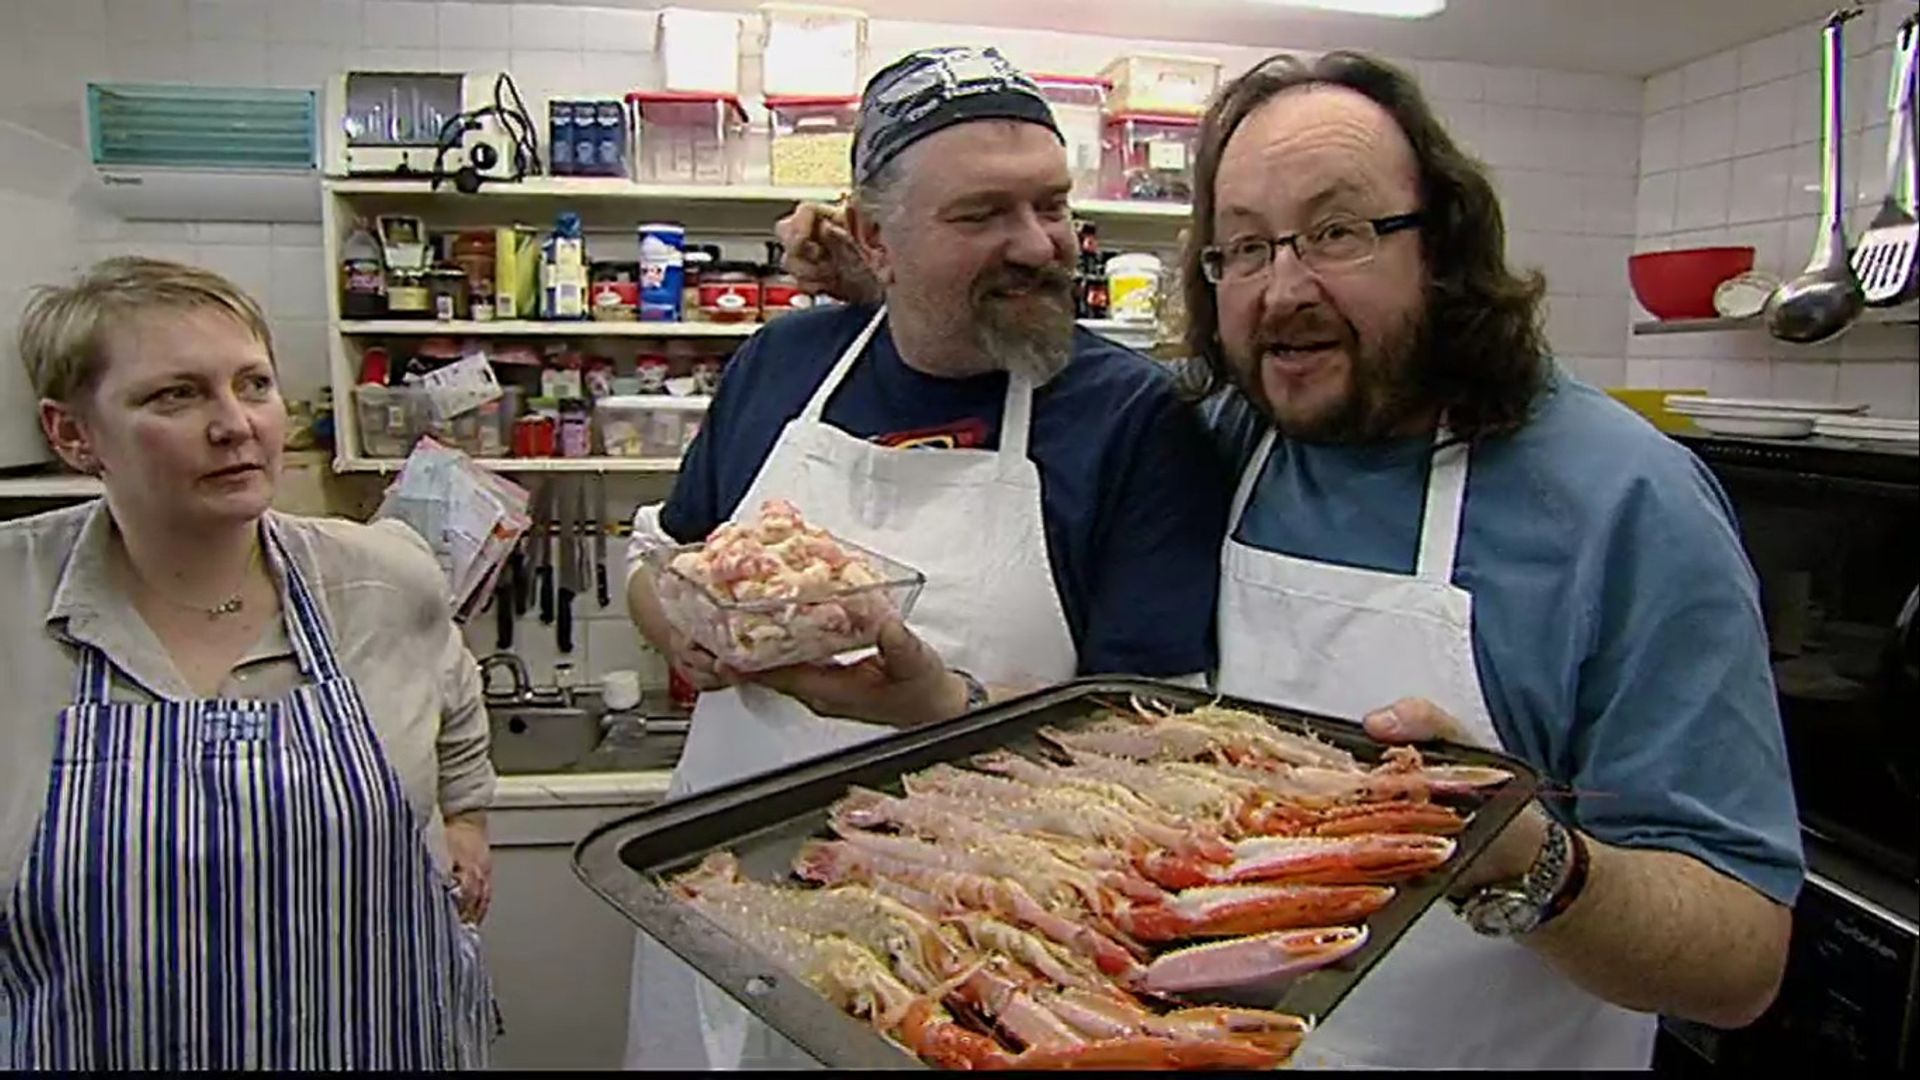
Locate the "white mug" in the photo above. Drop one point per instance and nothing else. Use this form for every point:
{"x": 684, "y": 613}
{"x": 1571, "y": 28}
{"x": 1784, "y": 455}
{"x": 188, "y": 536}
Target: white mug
{"x": 620, "y": 689}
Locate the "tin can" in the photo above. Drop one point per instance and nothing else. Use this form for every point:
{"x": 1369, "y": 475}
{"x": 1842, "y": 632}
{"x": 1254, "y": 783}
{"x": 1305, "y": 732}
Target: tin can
{"x": 662, "y": 270}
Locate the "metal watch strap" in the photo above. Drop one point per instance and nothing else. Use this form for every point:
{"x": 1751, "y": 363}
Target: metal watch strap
{"x": 1571, "y": 882}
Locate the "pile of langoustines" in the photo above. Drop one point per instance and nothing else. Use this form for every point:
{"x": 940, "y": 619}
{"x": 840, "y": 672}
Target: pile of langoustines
{"x": 1039, "y": 914}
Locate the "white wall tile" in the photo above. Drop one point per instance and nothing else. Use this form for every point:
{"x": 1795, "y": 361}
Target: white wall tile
{"x": 474, "y": 26}
{"x": 1738, "y": 377}
{"x": 1769, "y": 242}
{"x": 232, "y": 232}
{"x": 1777, "y": 57}
{"x": 1450, "y": 80}
{"x": 300, "y": 355}
{"x": 1591, "y": 93}
{"x": 1760, "y": 187}
{"x": 147, "y": 20}
{"x": 1706, "y": 131}
{"x": 1614, "y": 145}
{"x": 1582, "y": 328}
{"x": 1644, "y": 372}
{"x": 1466, "y": 121}
{"x": 1512, "y": 86}
{"x": 1533, "y": 199}
{"x": 229, "y": 63}
{"x": 1686, "y": 373}
{"x": 140, "y": 61}
{"x": 1763, "y": 117}
{"x": 613, "y": 644}
{"x": 616, "y": 73}
{"x": 248, "y": 266}
{"x": 1653, "y": 209}
{"x": 545, "y": 26}
{"x": 1711, "y": 76}
{"x": 315, "y": 22}
{"x": 227, "y": 20}
{"x": 304, "y": 66}
{"x": 1509, "y": 135}
{"x": 472, "y": 60}
{"x": 1664, "y": 91}
{"x": 1607, "y": 205}
{"x": 298, "y": 289}
{"x": 1866, "y": 89}
{"x": 615, "y": 30}
{"x": 1603, "y": 274}
{"x": 1601, "y": 371}
{"x": 1660, "y": 142}
{"x": 399, "y": 24}
{"x": 1888, "y": 17}
{"x": 1891, "y": 387}
{"x": 545, "y": 72}
{"x": 1816, "y": 380}
{"x": 1805, "y": 99}
{"x": 294, "y": 234}
{"x": 374, "y": 58}
{"x": 48, "y": 18}
{"x": 1701, "y": 199}
{"x": 1867, "y": 171}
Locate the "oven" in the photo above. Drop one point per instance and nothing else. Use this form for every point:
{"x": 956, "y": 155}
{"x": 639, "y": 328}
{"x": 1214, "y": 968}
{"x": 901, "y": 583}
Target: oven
{"x": 1831, "y": 531}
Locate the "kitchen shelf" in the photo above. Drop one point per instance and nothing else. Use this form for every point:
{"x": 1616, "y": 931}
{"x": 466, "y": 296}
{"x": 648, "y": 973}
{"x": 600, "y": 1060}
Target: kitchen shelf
{"x": 654, "y": 466}
{"x": 54, "y": 486}
{"x": 530, "y": 328}
{"x": 593, "y": 187}
{"x": 1908, "y": 313}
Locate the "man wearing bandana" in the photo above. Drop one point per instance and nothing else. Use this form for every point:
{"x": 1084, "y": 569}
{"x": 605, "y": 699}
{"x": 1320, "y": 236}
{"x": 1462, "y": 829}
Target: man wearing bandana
{"x": 1063, "y": 504}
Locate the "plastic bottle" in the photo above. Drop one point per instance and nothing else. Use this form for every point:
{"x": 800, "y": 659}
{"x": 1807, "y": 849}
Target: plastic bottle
{"x": 362, "y": 276}
{"x": 563, "y": 271}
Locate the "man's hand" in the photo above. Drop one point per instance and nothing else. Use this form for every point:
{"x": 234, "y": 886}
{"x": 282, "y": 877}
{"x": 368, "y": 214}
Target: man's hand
{"x": 822, "y": 256}
{"x": 472, "y": 856}
{"x": 906, "y": 685}
{"x": 1511, "y": 853}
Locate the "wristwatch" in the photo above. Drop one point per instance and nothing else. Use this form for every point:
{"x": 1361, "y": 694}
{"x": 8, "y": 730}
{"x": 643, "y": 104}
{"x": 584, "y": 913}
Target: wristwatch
{"x": 976, "y": 693}
{"x": 1549, "y": 887}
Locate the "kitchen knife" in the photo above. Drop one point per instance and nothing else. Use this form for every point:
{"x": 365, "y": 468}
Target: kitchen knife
{"x": 543, "y": 550}
{"x": 569, "y": 572}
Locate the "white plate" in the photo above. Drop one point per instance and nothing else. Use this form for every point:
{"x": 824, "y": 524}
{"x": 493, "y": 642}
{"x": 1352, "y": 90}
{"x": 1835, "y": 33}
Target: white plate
{"x": 1774, "y": 426}
{"x": 1880, "y": 423}
{"x": 1879, "y": 431}
{"x": 1688, "y": 403}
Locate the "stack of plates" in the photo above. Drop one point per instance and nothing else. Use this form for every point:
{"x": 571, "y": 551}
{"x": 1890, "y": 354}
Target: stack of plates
{"x": 1869, "y": 428}
{"x": 1765, "y": 417}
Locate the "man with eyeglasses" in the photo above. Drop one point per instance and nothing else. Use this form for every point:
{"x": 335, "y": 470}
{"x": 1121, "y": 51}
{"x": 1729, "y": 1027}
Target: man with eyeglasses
{"x": 1432, "y": 514}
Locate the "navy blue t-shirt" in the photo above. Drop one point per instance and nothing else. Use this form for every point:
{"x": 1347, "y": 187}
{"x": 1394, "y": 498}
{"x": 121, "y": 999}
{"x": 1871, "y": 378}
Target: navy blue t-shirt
{"x": 1133, "y": 501}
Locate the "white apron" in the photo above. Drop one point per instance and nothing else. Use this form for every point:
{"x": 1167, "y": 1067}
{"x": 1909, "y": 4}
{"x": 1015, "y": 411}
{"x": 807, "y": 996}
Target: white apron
{"x": 220, "y": 884}
{"x": 970, "y": 520}
{"x": 1344, "y": 641}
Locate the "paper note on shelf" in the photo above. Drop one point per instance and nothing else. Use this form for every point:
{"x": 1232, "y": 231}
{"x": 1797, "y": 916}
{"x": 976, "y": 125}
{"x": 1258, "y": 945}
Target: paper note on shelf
{"x": 471, "y": 518}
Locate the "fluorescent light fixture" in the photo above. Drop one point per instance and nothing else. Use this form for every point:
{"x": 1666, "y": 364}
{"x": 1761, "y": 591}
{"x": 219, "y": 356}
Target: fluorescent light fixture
{"x": 1392, "y": 9}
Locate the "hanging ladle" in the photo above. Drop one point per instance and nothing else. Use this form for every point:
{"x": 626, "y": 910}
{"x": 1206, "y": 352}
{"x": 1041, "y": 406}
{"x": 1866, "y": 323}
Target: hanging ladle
{"x": 1825, "y": 299}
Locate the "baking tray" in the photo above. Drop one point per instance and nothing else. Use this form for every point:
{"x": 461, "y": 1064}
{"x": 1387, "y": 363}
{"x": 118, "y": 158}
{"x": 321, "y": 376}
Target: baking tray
{"x": 764, "y": 819}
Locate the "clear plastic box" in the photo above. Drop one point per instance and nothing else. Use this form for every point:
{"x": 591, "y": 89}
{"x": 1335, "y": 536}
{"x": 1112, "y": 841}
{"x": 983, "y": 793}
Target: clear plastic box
{"x": 754, "y": 635}
{"x": 649, "y": 425}
{"x": 810, "y": 140}
{"x": 1161, "y": 83}
{"x": 391, "y": 419}
{"x": 486, "y": 431}
{"x": 1147, "y": 156}
{"x": 1077, "y": 102}
{"x": 689, "y": 138}
{"x": 811, "y": 49}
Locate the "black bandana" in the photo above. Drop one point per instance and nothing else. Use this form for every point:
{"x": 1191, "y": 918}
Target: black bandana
{"x": 932, "y": 89}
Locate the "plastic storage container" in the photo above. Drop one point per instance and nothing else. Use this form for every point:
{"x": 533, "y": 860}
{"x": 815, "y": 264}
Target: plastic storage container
{"x": 1077, "y": 102}
{"x": 699, "y": 51}
{"x": 689, "y": 138}
{"x": 753, "y": 635}
{"x": 807, "y": 49}
{"x": 649, "y": 425}
{"x": 486, "y": 431}
{"x": 1148, "y": 156}
{"x": 1161, "y": 83}
{"x": 392, "y": 419}
{"x": 810, "y": 140}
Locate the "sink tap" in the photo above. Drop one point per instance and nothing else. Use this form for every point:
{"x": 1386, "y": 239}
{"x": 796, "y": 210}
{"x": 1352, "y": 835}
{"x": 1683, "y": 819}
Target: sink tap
{"x": 522, "y": 688}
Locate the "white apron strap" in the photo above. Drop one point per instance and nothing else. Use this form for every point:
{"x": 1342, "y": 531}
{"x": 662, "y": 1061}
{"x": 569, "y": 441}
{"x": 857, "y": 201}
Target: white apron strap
{"x": 817, "y": 405}
{"x": 1440, "y": 519}
{"x": 1250, "y": 477}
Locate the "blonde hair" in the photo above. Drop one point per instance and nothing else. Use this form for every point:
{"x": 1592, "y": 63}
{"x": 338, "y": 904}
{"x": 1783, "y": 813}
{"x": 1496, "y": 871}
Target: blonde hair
{"x": 63, "y": 331}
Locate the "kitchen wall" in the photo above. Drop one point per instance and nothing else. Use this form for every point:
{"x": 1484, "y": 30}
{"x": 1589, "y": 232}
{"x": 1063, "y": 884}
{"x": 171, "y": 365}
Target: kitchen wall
{"x": 37, "y": 220}
{"x": 1730, "y": 154}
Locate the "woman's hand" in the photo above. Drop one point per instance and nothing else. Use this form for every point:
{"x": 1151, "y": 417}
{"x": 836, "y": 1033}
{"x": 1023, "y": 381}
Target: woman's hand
{"x": 822, "y": 256}
{"x": 906, "y": 685}
{"x": 472, "y": 855}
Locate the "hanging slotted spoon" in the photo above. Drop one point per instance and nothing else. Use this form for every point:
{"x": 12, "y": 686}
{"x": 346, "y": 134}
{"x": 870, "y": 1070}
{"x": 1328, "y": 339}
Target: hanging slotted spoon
{"x": 1884, "y": 261}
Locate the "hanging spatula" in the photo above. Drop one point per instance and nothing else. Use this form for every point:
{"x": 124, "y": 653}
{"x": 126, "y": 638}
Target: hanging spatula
{"x": 1884, "y": 261}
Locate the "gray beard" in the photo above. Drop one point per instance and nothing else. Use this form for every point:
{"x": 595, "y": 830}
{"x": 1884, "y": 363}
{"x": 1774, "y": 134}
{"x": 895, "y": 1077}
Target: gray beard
{"x": 1035, "y": 349}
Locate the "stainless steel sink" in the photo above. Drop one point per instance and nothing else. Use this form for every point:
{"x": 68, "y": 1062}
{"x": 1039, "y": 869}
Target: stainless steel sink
{"x": 552, "y": 730}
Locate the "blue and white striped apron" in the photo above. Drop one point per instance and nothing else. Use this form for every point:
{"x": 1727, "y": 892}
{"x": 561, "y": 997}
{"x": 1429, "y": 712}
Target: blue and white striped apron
{"x": 235, "y": 885}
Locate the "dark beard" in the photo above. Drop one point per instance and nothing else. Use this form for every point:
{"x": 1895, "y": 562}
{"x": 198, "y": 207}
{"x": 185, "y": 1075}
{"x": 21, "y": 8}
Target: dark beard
{"x": 1387, "y": 388}
{"x": 1031, "y": 334}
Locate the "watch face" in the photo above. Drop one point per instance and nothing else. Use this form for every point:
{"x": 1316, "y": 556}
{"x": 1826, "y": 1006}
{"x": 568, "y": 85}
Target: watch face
{"x": 1504, "y": 913}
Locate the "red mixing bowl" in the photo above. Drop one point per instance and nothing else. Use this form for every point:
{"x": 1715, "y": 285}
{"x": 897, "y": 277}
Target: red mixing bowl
{"x": 1680, "y": 284}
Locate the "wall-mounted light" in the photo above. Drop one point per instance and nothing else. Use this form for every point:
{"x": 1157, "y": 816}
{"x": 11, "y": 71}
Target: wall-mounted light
{"x": 1392, "y": 9}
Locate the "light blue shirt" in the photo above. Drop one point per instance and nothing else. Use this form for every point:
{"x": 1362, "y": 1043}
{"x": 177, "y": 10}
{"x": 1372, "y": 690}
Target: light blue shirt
{"x": 1616, "y": 622}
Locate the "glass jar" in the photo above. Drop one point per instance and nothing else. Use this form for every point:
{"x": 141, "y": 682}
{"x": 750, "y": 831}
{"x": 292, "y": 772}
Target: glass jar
{"x": 408, "y": 296}
{"x": 448, "y": 286}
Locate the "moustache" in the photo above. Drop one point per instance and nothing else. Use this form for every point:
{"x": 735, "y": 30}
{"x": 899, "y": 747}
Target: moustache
{"x": 1049, "y": 280}
{"x": 1308, "y": 330}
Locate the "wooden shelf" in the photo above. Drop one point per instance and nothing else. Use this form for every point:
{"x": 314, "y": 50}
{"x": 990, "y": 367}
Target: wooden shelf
{"x": 528, "y": 328}
{"x": 53, "y": 486}
{"x": 653, "y": 466}
{"x": 1908, "y": 313}
{"x": 593, "y": 188}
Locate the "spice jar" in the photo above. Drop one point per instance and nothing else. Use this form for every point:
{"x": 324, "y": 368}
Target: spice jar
{"x": 696, "y": 261}
{"x": 615, "y": 291}
{"x": 730, "y": 292}
{"x": 448, "y": 287}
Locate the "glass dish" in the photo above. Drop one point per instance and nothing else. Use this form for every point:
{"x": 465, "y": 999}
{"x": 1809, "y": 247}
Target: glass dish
{"x": 754, "y": 635}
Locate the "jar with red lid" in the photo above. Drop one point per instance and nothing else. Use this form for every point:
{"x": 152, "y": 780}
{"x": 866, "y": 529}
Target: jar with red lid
{"x": 780, "y": 292}
{"x": 730, "y": 292}
{"x": 652, "y": 370}
{"x": 1148, "y": 156}
{"x": 534, "y": 436}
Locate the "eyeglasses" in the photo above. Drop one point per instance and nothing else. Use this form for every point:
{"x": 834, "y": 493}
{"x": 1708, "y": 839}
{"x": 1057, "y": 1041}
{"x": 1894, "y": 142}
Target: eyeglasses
{"x": 1335, "y": 244}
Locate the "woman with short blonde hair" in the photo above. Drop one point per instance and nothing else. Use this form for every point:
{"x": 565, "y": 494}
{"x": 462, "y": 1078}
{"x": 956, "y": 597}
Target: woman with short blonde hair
{"x": 242, "y": 808}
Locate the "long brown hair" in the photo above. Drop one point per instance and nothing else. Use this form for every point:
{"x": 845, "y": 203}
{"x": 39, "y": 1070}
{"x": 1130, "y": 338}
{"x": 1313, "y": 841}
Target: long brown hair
{"x": 1486, "y": 362}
